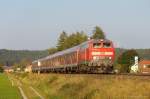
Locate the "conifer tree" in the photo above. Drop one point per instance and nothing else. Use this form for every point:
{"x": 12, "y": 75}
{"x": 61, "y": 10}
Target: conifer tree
{"x": 67, "y": 41}
{"x": 61, "y": 42}
{"x": 75, "y": 39}
{"x": 98, "y": 33}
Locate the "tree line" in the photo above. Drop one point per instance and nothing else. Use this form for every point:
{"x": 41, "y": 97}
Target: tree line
{"x": 11, "y": 57}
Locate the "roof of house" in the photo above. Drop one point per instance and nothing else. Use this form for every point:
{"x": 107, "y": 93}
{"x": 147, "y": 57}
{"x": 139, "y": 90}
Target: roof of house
{"x": 144, "y": 62}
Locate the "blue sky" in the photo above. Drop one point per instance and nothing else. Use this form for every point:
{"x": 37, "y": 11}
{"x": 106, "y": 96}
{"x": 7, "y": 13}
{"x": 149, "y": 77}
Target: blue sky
{"x": 36, "y": 24}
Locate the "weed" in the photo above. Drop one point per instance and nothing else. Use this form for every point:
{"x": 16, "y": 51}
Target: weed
{"x": 52, "y": 79}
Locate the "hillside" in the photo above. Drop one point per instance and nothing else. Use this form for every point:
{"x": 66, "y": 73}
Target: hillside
{"x": 9, "y": 57}
{"x": 143, "y": 53}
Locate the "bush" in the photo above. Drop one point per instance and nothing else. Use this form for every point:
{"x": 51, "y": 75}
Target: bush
{"x": 126, "y": 60}
{"x": 1, "y": 69}
{"x": 122, "y": 68}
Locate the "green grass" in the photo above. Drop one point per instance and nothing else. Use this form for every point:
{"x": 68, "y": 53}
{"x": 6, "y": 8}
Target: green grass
{"x": 60, "y": 86}
{"x": 7, "y": 91}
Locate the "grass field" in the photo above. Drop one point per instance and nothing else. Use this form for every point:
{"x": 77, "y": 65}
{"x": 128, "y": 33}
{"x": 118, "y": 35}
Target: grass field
{"x": 7, "y": 91}
{"x": 59, "y": 86}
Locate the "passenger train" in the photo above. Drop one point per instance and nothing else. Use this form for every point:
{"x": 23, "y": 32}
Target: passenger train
{"x": 92, "y": 56}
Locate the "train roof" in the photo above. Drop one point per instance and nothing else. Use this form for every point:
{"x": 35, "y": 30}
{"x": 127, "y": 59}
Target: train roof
{"x": 70, "y": 50}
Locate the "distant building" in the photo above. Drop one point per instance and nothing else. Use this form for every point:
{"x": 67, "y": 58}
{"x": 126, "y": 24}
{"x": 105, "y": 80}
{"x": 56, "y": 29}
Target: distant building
{"x": 8, "y": 69}
{"x": 144, "y": 66}
{"x": 28, "y": 68}
{"x": 18, "y": 69}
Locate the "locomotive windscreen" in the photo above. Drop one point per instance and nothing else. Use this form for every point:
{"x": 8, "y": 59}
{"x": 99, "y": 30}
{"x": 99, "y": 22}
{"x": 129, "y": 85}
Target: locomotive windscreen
{"x": 97, "y": 45}
{"x": 101, "y": 45}
{"x": 107, "y": 44}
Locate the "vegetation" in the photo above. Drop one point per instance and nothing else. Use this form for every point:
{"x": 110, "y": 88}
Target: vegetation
{"x": 7, "y": 91}
{"x": 62, "y": 41}
{"x": 10, "y": 57}
{"x": 126, "y": 60}
{"x": 52, "y": 50}
{"x": 98, "y": 33}
{"x": 56, "y": 86}
{"x": 67, "y": 41}
{"x": 1, "y": 68}
{"x": 22, "y": 64}
{"x": 144, "y": 53}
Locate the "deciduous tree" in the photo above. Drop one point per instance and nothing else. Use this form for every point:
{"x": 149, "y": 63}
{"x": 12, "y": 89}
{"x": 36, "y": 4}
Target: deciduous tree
{"x": 126, "y": 60}
{"x": 67, "y": 41}
{"x": 52, "y": 51}
{"x": 1, "y": 68}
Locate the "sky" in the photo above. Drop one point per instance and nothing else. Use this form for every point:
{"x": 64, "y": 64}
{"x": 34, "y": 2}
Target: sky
{"x": 37, "y": 24}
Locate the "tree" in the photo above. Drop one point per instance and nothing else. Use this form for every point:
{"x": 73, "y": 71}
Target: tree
{"x": 126, "y": 60}
{"x": 67, "y": 41}
{"x": 1, "y": 68}
{"x": 9, "y": 57}
{"x": 70, "y": 41}
{"x": 81, "y": 37}
{"x": 75, "y": 39}
{"x": 61, "y": 41}
{"x": 98, "y": 33}
{"x": 52, "y": 51}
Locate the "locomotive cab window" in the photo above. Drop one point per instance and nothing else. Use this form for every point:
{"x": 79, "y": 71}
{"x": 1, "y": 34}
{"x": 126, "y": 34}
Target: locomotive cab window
{"x": 107, "y": 44}
{"x": 97, "y": 45}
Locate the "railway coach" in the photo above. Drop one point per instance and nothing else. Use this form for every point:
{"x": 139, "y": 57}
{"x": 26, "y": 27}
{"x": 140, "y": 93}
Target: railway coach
{"x": 92, "y": 56}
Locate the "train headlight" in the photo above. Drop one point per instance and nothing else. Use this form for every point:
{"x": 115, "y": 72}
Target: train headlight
{"x": 94, "y": 57}
{"x": 110, "y": 58}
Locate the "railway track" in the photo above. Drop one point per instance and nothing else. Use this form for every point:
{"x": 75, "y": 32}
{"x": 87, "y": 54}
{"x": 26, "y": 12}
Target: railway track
{"x": 101, "y": 75}
{"x": 129, "y": 74}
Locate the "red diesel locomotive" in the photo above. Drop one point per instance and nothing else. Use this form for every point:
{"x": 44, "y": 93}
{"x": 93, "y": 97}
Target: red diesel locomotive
{"x": 92, "y": 56}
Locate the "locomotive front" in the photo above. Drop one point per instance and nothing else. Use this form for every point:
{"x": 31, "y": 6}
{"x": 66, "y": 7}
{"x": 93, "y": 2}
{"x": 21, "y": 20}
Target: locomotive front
{"x": 101, "y": 55}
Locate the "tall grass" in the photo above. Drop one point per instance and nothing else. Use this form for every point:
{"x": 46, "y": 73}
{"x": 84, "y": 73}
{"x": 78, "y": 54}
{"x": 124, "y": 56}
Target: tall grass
{"x": 59, "y": 86}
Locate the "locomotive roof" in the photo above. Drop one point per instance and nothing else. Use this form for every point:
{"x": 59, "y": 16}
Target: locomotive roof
{"x": 73, "y": 49}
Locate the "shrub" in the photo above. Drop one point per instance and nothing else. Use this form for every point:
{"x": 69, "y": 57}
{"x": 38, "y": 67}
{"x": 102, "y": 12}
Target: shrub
{"x": 1, "y": 69}
{"x": 126, "y": 59}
